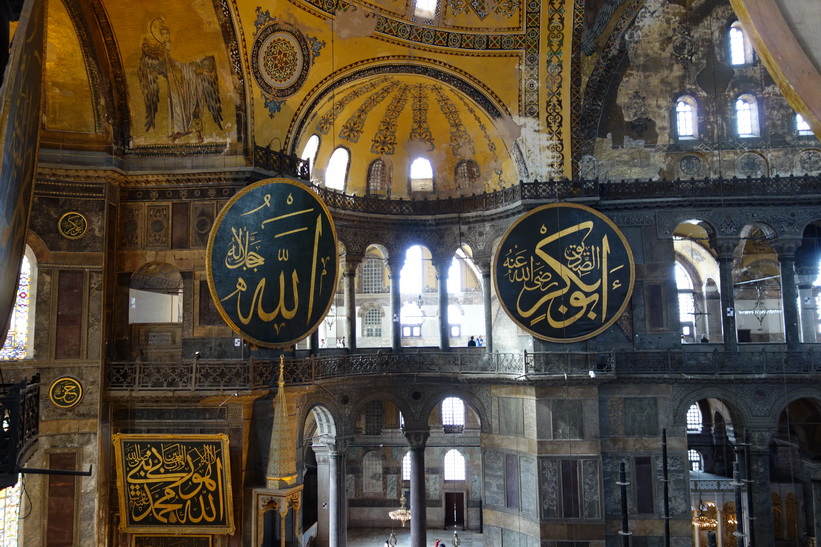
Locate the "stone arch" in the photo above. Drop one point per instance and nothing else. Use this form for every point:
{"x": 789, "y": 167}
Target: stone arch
{"x": 470, "y": 399}
{"x": 735, "y": 403}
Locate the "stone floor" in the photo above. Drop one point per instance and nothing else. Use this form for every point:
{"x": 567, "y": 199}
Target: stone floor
{"x": 375, "y": 537}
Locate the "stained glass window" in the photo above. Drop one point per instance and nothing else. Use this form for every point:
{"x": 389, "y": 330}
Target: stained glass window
{"x": 14, "y": 347}
{"x": 9, "y": 512}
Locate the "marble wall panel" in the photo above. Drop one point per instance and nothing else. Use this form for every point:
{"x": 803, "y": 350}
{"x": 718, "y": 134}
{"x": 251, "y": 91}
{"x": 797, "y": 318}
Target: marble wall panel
{"x": 42, "y": 319}
{"x": 158, "y": 226}
{"x": 567, "y": 419}
{"x": 549, "y": 488}
{"x": 511, "y": 420}
{"x": 494, "y": 467}
{"x": 530, "y": 499}
{"x": 641, "y": 416}
{"x": 95, "y": 312}
{"x": 591, "y": 489}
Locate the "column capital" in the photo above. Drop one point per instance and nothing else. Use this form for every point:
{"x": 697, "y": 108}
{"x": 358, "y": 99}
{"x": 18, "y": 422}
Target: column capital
{"x": 759, "y": 438}
{"x": 417, "y": 438}
{"x": 395, "y": 264}
{"x": 785, "y": 247}
{"x": 724, "y": 246}
{"x": 441, "y": 263}
{"x": 350, "y": 263}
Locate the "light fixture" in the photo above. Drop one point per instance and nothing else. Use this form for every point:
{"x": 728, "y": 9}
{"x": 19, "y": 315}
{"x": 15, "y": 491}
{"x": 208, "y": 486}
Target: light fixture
{"x": 402, "y": 514}
{"x": 705, "y": 518}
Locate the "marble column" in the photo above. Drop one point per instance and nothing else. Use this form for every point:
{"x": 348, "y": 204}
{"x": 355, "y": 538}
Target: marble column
{"x": 724, "y": 248}
{"x": 487, "y": 293}
{"x": 394, "y": 268}
{"x": 759, "y": 475}
{"x": 351, "y": 264}
{"x": 418, "y": 523}
{"x": 442, "y": 267}
{"x": 789, "y": 290}
{"x": 338, "y": 506}
{"x": 323, "y": 498}
{"x": 807, "y": 314}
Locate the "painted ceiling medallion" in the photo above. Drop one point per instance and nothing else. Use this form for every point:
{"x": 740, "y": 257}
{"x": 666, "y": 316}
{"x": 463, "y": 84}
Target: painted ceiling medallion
{"x": 282, "y": 56}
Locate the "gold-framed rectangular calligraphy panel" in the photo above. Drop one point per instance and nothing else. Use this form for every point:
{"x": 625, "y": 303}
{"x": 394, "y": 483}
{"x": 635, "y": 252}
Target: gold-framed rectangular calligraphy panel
{"x": 174, "y": 483}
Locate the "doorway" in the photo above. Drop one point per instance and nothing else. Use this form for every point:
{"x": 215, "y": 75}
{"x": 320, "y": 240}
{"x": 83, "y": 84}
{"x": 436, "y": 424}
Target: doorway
{"x": 454, "y": 509}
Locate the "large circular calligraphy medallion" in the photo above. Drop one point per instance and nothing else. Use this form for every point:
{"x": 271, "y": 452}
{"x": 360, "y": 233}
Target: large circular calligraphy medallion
{"x": 564, "y": 272}
{"x": 281, "y": 60}
{"x": 272, "y": 262}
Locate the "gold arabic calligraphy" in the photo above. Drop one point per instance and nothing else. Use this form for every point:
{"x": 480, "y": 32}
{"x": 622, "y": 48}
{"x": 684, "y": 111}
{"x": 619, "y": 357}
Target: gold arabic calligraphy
{"x": 583, "y": 272}
{"x": 175, "y": 483}
{"x": 246, "y": 253}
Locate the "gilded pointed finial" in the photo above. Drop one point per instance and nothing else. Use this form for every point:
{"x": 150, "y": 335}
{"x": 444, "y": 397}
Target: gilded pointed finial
{"x": 281, "y": 370}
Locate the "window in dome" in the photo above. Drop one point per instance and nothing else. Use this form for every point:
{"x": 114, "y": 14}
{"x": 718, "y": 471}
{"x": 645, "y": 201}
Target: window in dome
{"x": 746, "y": 110}
{"x": 310, "y": 151}
{"x": 467, "y": 174}
{"x": 424, "y": 9}
{"x": 378, "y": 178}
{"x": 801, "y": 125}
{"x": 454, "y": 466}
{"x": 741, "y": 51}
{"x": 337, "y": 172}
{"x": 421, "y": 175}
{"x": 686, "y": 118}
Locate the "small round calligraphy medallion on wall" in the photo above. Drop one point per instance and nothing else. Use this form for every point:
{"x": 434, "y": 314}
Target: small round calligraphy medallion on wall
{"x": 72, "y": 225}
{"x": 272, "y": 262}
{"x": 564, "y": 272}
{"x": 65, "y": 392}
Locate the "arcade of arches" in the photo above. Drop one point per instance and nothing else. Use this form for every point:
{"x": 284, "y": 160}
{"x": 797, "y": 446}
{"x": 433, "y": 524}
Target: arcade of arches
{"x": 428, "y": 129}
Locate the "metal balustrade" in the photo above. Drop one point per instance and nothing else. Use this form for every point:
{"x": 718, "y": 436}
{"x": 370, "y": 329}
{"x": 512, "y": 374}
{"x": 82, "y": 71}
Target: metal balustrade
{"x": 464, "y": 365}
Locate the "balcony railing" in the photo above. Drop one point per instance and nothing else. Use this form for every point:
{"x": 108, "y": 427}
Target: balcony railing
{"x": 218, "y": 375}
{"x": 20, "y": 414}
{"x": 564, "y": 190}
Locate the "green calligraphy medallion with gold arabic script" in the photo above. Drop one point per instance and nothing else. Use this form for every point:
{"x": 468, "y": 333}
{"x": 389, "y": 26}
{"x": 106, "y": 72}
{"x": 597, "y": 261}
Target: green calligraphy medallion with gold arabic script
{"x": 272, "y": 262}
{"x": 564, "y": 272}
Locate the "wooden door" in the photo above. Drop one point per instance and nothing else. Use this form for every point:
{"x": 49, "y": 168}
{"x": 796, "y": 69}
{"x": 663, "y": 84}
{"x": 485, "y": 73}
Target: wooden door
{"x": 455, "y": 509}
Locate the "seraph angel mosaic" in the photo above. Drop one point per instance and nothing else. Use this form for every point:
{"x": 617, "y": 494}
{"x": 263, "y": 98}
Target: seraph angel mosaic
{"x": 192, "y": 87}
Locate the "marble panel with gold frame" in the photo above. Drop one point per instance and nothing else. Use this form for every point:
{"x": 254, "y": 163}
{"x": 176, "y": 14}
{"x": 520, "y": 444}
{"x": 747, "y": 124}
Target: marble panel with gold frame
{"x": 177, "y": 484}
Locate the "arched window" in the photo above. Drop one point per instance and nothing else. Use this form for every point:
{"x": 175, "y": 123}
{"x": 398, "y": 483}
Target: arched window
{"x": 466, "y": 174}
{"x": 453, "y": 413}
{"x": 421, "y": 175}
{"x": 686, "y": 118}
{"x": 454, "y": 466}
{"x": 378, "y": 178}
{"x": 337, "y": 172}
{"x": 411, "y": 276}
{"x": 406, "y": 474}
{"x": 686, "y": 302}
{"x": 455, "y": 276}
{"x": 373, "y": 275}
{"x": 310, "y": 150}
{"x": 696, "y": 460}
{"x": 694, "y": 419}
{"x": 15, "y": 346}
{"x": 746, "y": 111}
{"x": 372, "y": 322}
{"x": 741, "y": 50}
{"x": 801, "y": 125}
{"x": 424, "y": 9}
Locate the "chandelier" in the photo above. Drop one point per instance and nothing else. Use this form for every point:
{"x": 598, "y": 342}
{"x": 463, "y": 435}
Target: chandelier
{"x": 705, "y": 518}
{"x": 402, "y": 514}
